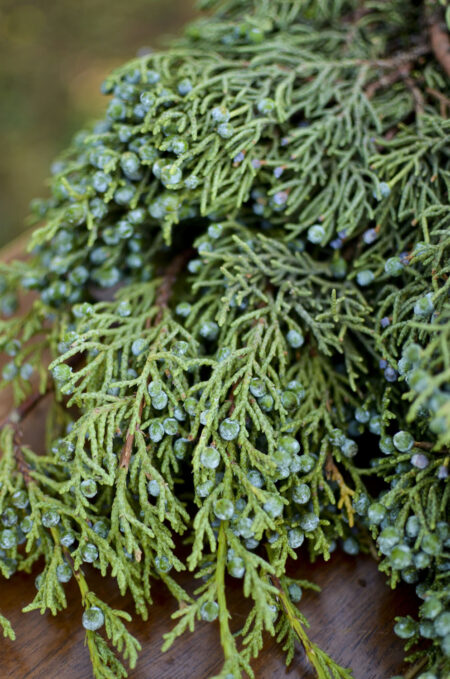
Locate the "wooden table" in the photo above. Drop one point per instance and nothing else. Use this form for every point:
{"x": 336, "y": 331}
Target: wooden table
{"x": 352, "y": 618}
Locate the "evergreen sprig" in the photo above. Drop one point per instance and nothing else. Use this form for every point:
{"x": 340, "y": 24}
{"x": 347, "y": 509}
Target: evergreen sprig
{"x": 241, "y": 320}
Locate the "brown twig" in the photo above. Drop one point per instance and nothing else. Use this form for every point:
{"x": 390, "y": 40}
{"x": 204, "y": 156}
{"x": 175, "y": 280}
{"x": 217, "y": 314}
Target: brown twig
{"x": 423, "y": 444}
{"x": 20, "y": 413}
{"x": 346, "y": 493}
{"x": 444, "y": 101}
{"x": 163, "y": 296}
{"x": 440, "y": 42}
{"x": 400, "y": 73}
{"x": 14, "y": 418}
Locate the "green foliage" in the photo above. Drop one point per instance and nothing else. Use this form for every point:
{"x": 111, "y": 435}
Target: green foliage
{"x": 243, "y": 292}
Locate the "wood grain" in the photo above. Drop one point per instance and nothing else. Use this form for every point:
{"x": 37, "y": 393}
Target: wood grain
{"x": 352, "y": 618}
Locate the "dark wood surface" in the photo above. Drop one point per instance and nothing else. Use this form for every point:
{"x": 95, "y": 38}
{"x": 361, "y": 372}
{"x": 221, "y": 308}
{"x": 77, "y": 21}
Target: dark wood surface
{"x": 352, "y": 619}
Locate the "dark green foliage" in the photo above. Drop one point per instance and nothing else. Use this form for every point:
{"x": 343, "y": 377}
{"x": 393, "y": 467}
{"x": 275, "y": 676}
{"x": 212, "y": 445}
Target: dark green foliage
{"x": 266, "y": 205}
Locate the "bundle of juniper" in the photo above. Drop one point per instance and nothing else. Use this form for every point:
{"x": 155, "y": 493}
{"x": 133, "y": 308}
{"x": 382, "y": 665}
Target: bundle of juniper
{"x": 266, "y": 205}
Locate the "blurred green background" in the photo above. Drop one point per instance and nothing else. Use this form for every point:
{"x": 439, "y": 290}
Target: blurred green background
{"x": 53, "y": 56}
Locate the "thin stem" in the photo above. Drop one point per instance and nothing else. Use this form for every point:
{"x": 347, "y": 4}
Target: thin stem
{"x": 21, "y": 412}
{"x": 226, "y": 637}
{"x": 440, "y": 42}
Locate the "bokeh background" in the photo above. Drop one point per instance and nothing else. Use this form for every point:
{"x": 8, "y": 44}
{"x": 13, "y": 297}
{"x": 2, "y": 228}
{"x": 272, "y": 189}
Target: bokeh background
{"x": 53, "y": 56}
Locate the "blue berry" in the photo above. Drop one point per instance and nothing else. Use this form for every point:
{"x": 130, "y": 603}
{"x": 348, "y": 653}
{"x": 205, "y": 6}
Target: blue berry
{"x": 405, "y": 628}
{"x": 225, "y": 130}
{"x": 63, "y": 572}
{"x": 289, "y": 444}
{"x": 153, "y": 488}
{"x": 370, "y": 236}
{"x": 362, "y": 415}
{"x": 50, "y": 518}
{"x": 102, "y": 528}
{"x": 393, "y": 266}
{"x": 384, "y": 191}
{"x": 295, "y": 592}
{"x": 301, "y": 494}
{"x": 255, "y": 478}
{"x": 424, "y": 306}
{"x": 209, "y": 330}
{"x": 184, "y": 87}
{"x": 210, "y": 458}
{"x": 309, "y": 522}
{"x": 403, "y": 441}
{"x": 349, "y": 448}
{"x": 442, "y": 624}
{"x": 171, "y": 175}
{"x": 365, "y": 277}
{"x": 295, "y": 339}
{"x": 306, "y": 463}
{"x": 223, "y": 509}
{"x": 257, "y": 387}
{"x": 274, "y": 507}
{"x": 236, "y": 567}
{"x": 156, "y": 432}
{"x": 170, "y": 425}
{"x": 89, "y": 553}
{"x": 229, "y": 429}
{"x": 266, "y": 403}
{"x": 296, "y": 538}
{"x": 220, "y": 114}
{"x": 431, "y": 608}
{"x": 266, "y": 106}
{"x": 316, "y": 234}
{"x": 67, "y": 539}
{"x": 159, "y": 402}
{"x": 89, "y": 488}
{"x": 8, "y": 539}
{"x": 205, "y": 489}
{"x": 376, "y": 513}
{"x": 93, "y": 619}
{"x": 350, "y": 546}
{"x": 431, "y": 544}
{"x": 209, "y": 611}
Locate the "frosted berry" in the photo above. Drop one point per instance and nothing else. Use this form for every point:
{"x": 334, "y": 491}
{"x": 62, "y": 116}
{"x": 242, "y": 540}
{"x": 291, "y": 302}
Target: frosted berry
{"x": 365, "y": 277}
{"x": 220, "y": 114}
{"x": 309, "y": 522}
{"x": 236, "y": 567}
{"x": 296, "y": 538}
{"x": 223, "y": 509}
{"x": 209, "y": 611}
{"x": 376, "y": 513}
{"x": 63, "y": 572}
{"x": 405, "y": 628}
{"x": 424, "y": 306}
{"x": 89, "y": 488}
{"x": 295, "y": 339}
{"x": 209, "y": 330}
{"x": 89, "y": 553}
{"x": 400, "y": 557}
{"x": 225, "y": 130}
{"x": 93, "y": 619}
{"x": 257, "y": 387}
{"x": 301, "y": 494}
{"x": 162, "y": 564}
{"x": 210, "y": 458}
{"x": 229, "y": 429}
{"x": 274, "y": 507}
{"x": 316, "y": 234}
{"x": 403, "y": 441}
{"x": 50, "y": 518}
{"x": 153, "y": 488}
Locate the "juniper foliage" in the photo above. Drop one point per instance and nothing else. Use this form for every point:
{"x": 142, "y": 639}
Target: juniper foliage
{"x": 242, "y": 287}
